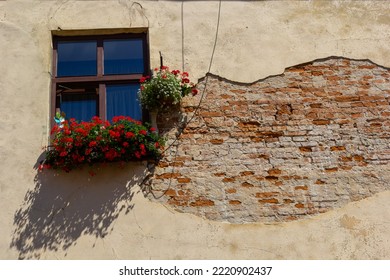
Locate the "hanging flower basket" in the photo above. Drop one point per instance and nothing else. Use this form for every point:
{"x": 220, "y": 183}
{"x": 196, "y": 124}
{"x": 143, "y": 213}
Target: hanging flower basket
{"x": 164, "y": 89}
{"x": 97, "y": 141}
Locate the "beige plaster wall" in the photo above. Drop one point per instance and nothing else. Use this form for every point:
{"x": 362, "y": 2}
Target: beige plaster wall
{"x": 51, "y": 216}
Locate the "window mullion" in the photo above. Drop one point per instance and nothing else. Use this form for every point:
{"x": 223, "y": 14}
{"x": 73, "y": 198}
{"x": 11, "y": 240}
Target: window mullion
{"x": 100, "y": 57}
{"x": 102, "y": 101}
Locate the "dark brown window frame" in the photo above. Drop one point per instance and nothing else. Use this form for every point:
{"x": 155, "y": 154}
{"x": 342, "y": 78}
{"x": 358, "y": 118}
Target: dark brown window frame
{"x": 100, "y": 79}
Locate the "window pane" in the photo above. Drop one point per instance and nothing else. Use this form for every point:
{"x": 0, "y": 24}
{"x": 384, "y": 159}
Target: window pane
{"x": 76, "y": 58}
{"x": 123, "y": 56}
{"x": 80, "y": 106}
{"x": 122, "y": 101}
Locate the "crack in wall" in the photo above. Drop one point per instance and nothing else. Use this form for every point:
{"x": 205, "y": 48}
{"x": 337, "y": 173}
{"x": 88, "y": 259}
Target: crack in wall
{"x": 135, "y": 10}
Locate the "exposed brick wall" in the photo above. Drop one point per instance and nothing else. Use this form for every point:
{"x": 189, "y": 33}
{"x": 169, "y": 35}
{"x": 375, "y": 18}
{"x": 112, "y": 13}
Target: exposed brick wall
{"x": 301, "y": 143}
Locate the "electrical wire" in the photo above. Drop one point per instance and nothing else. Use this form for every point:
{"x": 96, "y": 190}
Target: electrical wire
{"x": 200, "y": 101}
{"x": 182, "y": 36}
{"x": 206, "y": 77}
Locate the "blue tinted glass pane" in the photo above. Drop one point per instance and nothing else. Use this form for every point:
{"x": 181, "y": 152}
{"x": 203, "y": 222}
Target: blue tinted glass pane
{"x": 76, "y": 58}
{"x": 82, "y": 107}
{"x": 122, "y": 101}
{"x": 123, "y": 56}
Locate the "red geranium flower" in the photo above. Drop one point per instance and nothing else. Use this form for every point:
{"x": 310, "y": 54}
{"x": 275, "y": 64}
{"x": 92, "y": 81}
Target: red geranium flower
{"x": 129, "y": 134}
{"x": 143, "y": 79}
{"x": 114, "y": 134}
{"x": 111, "y": 154}
{"x": 92, "y": 144}
{"x": 55, "y": 129}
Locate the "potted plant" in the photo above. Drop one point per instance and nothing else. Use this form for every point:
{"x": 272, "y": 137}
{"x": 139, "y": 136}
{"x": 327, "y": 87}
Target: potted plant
{"x": 163, "y": 90}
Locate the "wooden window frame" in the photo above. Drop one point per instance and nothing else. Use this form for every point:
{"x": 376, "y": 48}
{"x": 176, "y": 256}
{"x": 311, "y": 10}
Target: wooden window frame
{"x": 99, "y": 79}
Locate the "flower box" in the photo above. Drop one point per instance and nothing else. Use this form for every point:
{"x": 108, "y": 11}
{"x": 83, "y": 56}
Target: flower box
{"x": 122, "y": 140}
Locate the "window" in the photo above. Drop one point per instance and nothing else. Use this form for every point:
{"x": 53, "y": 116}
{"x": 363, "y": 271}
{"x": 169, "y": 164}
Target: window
{"x": 98, "y": 75}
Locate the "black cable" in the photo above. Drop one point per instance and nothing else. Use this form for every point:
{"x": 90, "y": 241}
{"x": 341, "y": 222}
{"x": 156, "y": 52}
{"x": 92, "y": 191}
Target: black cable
{"x": 200, "y": 101}
{"x": 206, "y": 78}
{"x": 182, "y": 35}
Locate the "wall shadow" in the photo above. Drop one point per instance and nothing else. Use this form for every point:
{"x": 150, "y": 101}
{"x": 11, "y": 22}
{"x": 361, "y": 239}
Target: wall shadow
{"x": 64, "y": 206}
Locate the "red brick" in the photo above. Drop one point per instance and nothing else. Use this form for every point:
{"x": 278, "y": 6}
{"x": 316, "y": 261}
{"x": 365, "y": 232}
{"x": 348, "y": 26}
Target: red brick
{"x": 371, "y": 98}
{"x": 237, "y": 102}
{"x": 321, "y": 122}
{"x": 305, "y": 149}
{"x": 345, "y": 159}
{"x": 163, "y": 164}
{"x": 385, "y": 114}
{"x": 316, "y": 105}
{"x": 240, "y": 91}
{"x": 263, "y": 156}
{"x": 176, "y": 202}
{"x": 320, "y": 182}
{"x": 274, "y": 172}
{"x": 333, "y": 169}
{"x": 216, "y": 141}
{"x": 358, "y": 158}
{"x": 228, "y": 179}
{"x": 266, "y": 194}
{"x": 347, "y": 98}
{"x": 247, "y": 185}
{"x": 234, "y": 202}
{"x": 168, "y": 175}
{"x": 183, "y": 180}
{"x": 366, "y": 66}
{"x": 170, "y": 192}
{"x": 202, "y": 203}
{"x": 247, "y": 173}
{"x": 337, "y": 148}
{"x": 226, "y": 96}
{"x": 345, "y": 167}
{"x": 356, "y": 115}
{"x": 270, "y": 200}
{"x": 176, "y": 163}
{"x": 231, "y": 191}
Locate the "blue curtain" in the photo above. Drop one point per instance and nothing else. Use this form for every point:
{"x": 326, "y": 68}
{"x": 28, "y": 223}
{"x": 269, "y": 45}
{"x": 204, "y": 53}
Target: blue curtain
{"x": 123, "y": 56}
{"x": 77, "y": 58}
{"x": 82, "y": 107}
{"x": 122, "y": 100}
